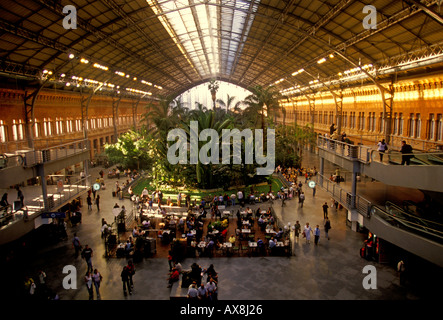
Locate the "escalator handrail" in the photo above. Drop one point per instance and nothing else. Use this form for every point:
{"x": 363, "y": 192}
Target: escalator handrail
{"x": 409, "y": 225}
{"x": 389, "y": 203}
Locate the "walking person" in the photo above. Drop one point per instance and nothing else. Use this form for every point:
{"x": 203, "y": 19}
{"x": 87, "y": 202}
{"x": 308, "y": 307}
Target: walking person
{"x": 316, "y": 234}
{"x": 87, "y": 255}
{"x": 88, "y": 282}
{"x": 406, "y": 150}
{"x": 131, "y": 270}
{"x": 89, "y": 202}
{"x": 297, "y": 230}
{"x": 97, "y": 202}
{"x": 307, "y": 233}
{"x": 76, "y": 244}
{"x": 301, "y": 199}
{"x": 125, "y": 279}
{"x": 381, "y": 148}
{"x": 97, "y": 279}
{"x": 325, "y": 210}
{"x": 20, "y": 196}
{"x": 327, "y": 227}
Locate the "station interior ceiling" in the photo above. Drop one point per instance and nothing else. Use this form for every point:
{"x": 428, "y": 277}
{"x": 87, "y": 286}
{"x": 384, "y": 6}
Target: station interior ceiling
{"x": 152, "y": 48}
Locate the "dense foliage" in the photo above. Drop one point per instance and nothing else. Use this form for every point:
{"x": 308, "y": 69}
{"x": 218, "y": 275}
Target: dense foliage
{"x": 147, "y": 148}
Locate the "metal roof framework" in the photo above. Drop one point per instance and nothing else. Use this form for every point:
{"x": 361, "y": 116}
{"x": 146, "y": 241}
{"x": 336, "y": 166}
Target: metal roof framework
{"x": 150, "y": 47}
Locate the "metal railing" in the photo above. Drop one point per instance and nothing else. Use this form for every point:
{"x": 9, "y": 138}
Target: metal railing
{"x": 56, "y": 198}
{"x": 350, "y": 151}
{"x": 417, "y": 158}
{"x": 402, "y": 220}
{"x": 345, "y": 198}
{"x": 28, "y": 158}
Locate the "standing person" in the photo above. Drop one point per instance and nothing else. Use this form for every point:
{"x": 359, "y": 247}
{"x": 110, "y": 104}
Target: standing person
{"x": 97, "y": 202}
{"x": 332, "y": 129}
{"x": 406, "y": 150}
{"x": 314, "y": 190}
{"x": 88, "y": 282}
{"x": 179, "y": 199}
{"x": 20, "y": 196}
{"x": 211, "y": 288}
{"x": 170, "y": 262}
{"x": 240, "y": 197}
{"x": 4, "y": 202}
{"x": 401, "y": 271}
{"x": 76, "y": 244}
{"x": 316, "y": 234}
{"x": 327, "y": 227}
{"x": 125, "y": 279}
{"x": 87, "y": 255}
{"x": 381, "y": 148}
{"x": 89, "y": 202}
{"x": 307, "y": 232}
{"x": 202, "y": 292}
{"x": 97, "y": 279}
{"x": 302, "y": 199}
{"x": 192, "y": 291}
{"x": 325, "y": 210}
{"x": 297, "y": 229}
{"x": 131, "y": 270}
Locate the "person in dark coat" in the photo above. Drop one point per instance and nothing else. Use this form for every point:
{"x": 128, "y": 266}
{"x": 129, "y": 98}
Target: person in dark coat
{"x": 125, "y": 275}
{"x": 406, "y": 150}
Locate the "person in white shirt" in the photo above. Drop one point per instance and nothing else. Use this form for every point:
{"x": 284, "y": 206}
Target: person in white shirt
{"x": 192, "y": 292}
{"x": 381, "y": 148}
{"x": 307, "y": 232}
{"x": 211, "y": 288}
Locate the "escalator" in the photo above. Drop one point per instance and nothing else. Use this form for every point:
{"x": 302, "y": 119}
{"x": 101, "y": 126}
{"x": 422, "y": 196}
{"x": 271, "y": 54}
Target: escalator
{"x": 427, "y": 228}
{"x": 412, "y": 233}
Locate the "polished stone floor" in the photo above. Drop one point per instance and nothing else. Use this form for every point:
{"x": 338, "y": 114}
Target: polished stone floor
{"x": 331, "y": 270}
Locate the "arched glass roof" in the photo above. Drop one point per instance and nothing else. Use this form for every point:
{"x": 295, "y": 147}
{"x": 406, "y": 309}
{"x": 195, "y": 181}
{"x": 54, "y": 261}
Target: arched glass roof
{"x": 149, "y": 47}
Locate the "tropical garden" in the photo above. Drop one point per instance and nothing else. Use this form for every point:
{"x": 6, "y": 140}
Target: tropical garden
{"x": 146, "y": 149}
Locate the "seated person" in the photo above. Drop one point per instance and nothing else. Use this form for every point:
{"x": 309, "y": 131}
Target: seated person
{"x": 135, "y": 232}
{"x": 174, "y": 276}
{"x": 261, "y": 221}
{"x": 146, "y": 224}
{"x": 279, "y": 234}
{"x": 210, "y": 245}
{"x": 272, "y": 245}
{"x": 232, "y": 239}
{"x": 260, "y": 245}
{"x": 128, "y": 247}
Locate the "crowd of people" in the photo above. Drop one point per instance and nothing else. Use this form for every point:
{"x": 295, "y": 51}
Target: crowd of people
{"x": 199, "y": 288}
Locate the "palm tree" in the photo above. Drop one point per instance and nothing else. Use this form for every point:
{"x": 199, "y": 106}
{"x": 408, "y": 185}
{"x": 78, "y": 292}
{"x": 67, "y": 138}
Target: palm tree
{"x": 206, "y": 120}
{"x": 213, "y": 87}
{"x": 229, "y": 104}
{"x": 160, "y": 114}
{"x": 264, "y": 100}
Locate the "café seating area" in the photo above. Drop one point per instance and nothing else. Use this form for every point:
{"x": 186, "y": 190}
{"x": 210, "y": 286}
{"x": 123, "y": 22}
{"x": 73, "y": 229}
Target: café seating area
{"x": 245, "y": 232}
